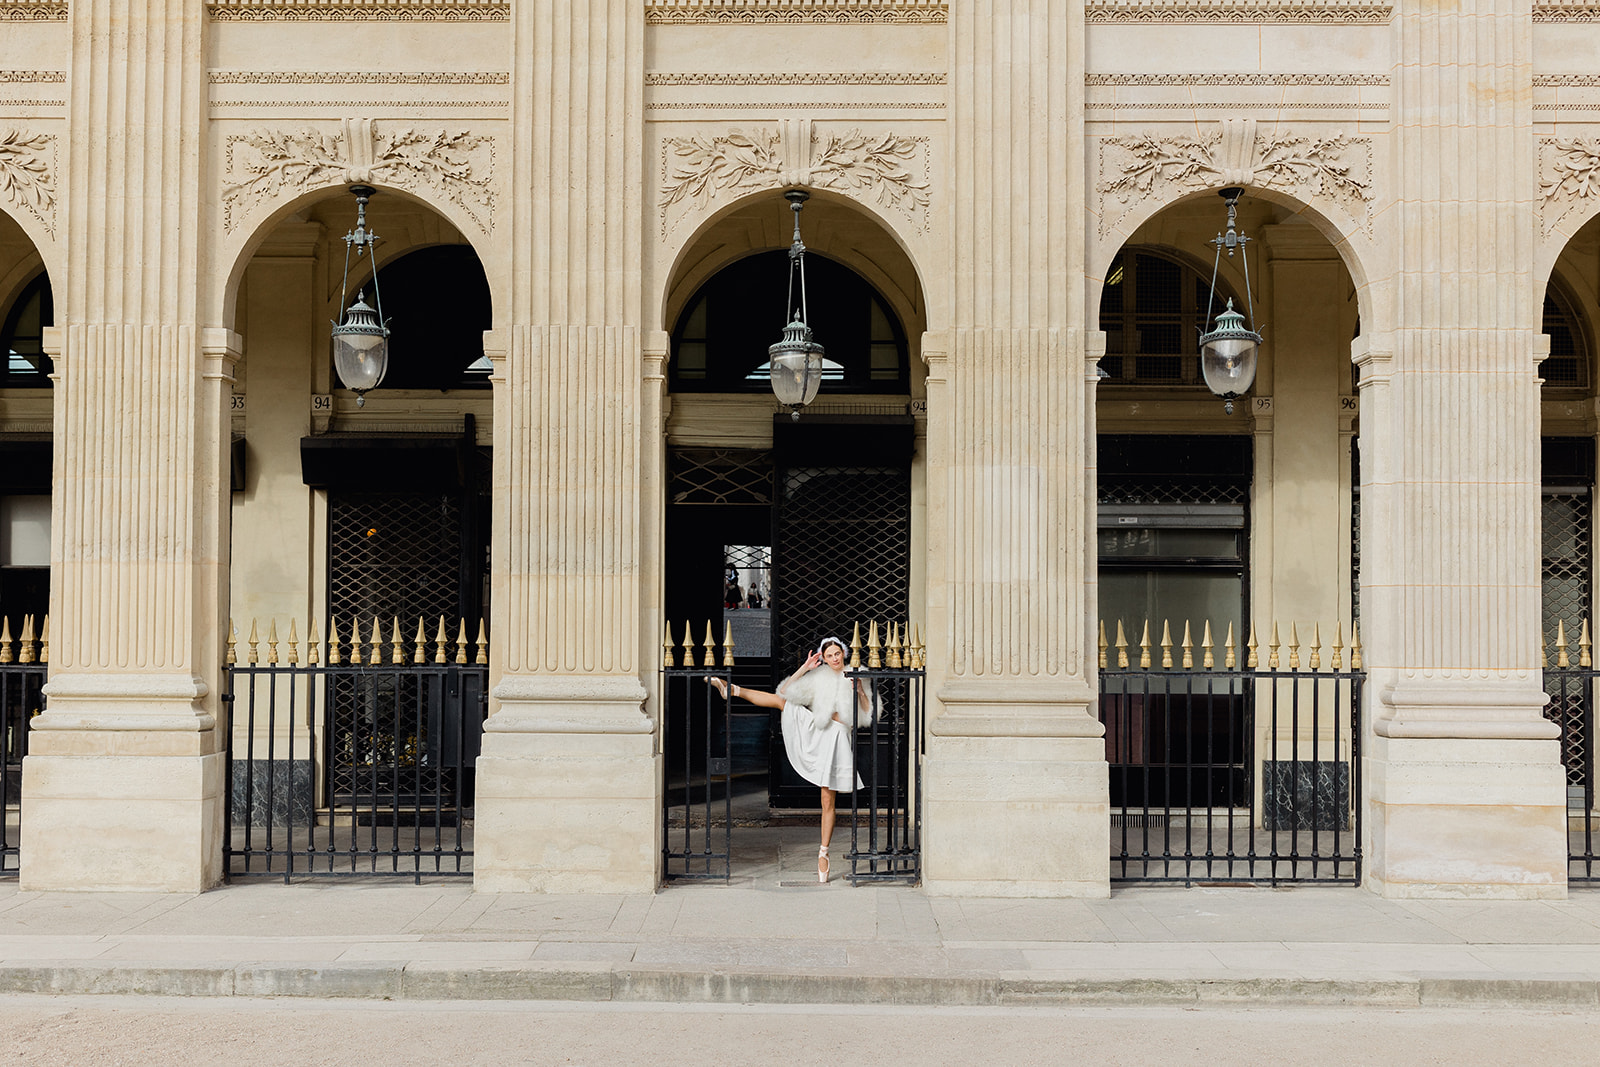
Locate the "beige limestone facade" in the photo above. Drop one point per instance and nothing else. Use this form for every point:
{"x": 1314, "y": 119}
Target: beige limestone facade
{"x": 179, "y": 173}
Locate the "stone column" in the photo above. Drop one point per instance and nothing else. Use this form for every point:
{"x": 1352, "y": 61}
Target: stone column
{"x": 125, "y": 772}
{"x": 1016, "y": 777}
{"x": 1462, "y": 772}
{"x": 569, "y": 777}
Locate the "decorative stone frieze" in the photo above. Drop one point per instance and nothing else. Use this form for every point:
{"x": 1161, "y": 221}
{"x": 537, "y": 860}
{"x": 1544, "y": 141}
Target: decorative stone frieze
{"x": 1244, "y": 77}
{"x": 1238, "y": 11}
{"x": 264, "y": 164}
{"x": 33, "y": 77}
{"x": 382, "y": 11}
{"x": 886, "y": 170}
{"x": 353, "y": 77}
{"x": 1570, "y": 12}
{"x": 28, "y": 174}
{"x": 1313, "y": 167}
{"x": 1569, "y": 177}
{"x": 799, "y": 77}
{"x": 790, "y": 11}
{"x": 32, "y": 12}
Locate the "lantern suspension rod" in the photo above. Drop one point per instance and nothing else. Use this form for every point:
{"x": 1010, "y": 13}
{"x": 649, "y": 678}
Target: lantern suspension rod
{"x": 1231, "y": 240}
{"x": 797, "y": 250}
{"x": 362, "y": 240}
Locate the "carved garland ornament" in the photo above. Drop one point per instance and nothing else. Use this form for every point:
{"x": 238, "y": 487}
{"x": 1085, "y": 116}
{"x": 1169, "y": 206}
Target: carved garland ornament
{"x": 1569, "y": 176}
{"x": 262, "y": 165}
{"x": 1330, "y": 167}
{"x": 792, "y": 11}
{"x": 1239, "y": 12}
{"x": 887, "y": 170}
{"x": 27, "y": 174}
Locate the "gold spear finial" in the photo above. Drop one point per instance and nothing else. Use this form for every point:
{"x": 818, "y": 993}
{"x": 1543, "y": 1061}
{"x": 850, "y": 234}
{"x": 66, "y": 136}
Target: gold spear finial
{"x": 253, "y": 641}
{"x": 1166, "y": 643}
{"x": 1294, "y": 646}
{"x": 668, "y": 658}
{"x": 1252, "y": 659}
{"x": 922, "y": 653}
{"x": 727, "y": 643}
{"x": 26, "y": 655}
{"x": 397, "y": 652}
{"x": 461, "y": 641}
{"x": 896, "y": 659}
{"x": 230, "y": 654}
{"x": 1188, "y": 647}
{"x": 1206, "y": 659}
{"x": 1103, "y": 645}
{"x": 1561, "y": 644}
{"x": 1355, "y": 647}
{"x": 1230, "y": 654}
{"x": 1336, "y": 661}
{"x": 375, "y": 656}
{"x": 1144, "y": 646}
{"x": 333, "y": 640}
{"x": 1316, "y": 645}
{"x": 1122, "y": 645}
{"x": 313, "y": 642}
{"x": 44, "y": 640}
{"x": 1584, "y": 646}
{"x": 1273, "y": 646}
{"x": 482, "y": 657}
{"x": 874, "y": 647}
{"x": 855, "y": 648}
{"x": 708, "y": 649}
{"x": 419, "y": 654}
{"x": 440, "y": 639}
{"x": 294, "y": 644}
{"x": 272, "y": 641}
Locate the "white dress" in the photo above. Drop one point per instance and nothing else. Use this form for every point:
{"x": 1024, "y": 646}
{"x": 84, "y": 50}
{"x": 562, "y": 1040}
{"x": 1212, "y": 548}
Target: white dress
{"x": 822, "y": 750}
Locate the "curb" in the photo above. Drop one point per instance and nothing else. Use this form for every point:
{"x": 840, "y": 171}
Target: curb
{"x": 423, "y": 981}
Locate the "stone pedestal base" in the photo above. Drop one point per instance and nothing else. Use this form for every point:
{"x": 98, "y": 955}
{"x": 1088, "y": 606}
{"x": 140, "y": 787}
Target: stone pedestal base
{"x": 1451, "y": 817}
{"x": 568, "y": 794}
{"x": 106, "y": 820}
{"x": 123, "y": 787}
{"x": 1017, "y": 817}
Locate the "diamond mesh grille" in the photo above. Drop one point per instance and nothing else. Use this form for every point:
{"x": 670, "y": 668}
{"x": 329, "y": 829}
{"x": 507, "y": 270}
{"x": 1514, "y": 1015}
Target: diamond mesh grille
{"x": 720, "y": 476}
{"x": 842, "y": 554}
{"x": 1565, "y": 581}
{"x": 1171, "y": 491}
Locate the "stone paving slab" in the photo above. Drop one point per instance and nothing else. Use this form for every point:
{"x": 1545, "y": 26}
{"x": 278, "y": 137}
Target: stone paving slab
{"x": 758, "y": 942}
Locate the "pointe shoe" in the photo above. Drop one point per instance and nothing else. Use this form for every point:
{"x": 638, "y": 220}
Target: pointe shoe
{"x": 822, "y": 865}
{"x": 720, "y": 686}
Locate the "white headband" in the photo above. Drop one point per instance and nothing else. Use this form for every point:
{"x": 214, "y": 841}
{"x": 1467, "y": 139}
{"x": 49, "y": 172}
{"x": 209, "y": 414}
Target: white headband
{"x": 826, "y": 641}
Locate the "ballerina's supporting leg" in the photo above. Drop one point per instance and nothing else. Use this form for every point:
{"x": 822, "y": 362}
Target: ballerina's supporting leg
{"x": 754, "y": 696}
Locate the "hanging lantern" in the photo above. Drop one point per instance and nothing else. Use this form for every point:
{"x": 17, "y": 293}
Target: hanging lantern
{"x": 1230, "y": 348}
{"x": 795, "y": 362}
{"x": 361, "y": 337}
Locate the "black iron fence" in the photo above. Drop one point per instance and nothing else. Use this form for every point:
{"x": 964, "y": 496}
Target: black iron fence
{"x": 1230, "y": 774}
{"x": 24, "y": 663}
{"x": 358, "y": 759}
{"x": 1572, "y": 688}
{"x": 884, "y": 816}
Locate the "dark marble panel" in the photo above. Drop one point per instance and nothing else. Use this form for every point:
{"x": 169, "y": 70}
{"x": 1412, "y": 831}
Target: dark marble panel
{"x": 1305, "y": 795}
{"x": 282, "y": 790}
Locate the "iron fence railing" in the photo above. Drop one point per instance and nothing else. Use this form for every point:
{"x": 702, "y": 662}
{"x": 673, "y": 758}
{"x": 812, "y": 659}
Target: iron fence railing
{"x": 1572, "y": 688}
{"x": 1234, "y": 774}
{"x": 360, "y": 765}
{"x": 24, "y": 664}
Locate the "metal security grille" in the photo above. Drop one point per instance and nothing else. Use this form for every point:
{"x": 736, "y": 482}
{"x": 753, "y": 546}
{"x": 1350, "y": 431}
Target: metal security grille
{"x": 841, "y": 552}
{"x": 391, "y": 555}
{"x": 1172, "y": 491}
{"x": 1565, "y": 579}
{"x": 21, "y": 699}
{"x": 719, "y": 476}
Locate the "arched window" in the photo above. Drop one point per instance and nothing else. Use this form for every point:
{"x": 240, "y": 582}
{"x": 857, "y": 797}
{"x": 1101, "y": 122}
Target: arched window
{"x": 720, "y": 342}
{"x": 438, "y": 304}
{"x": 1153, "y": 310}
{"x": 22, "y": 339}
{"x": 1567, "y": 366}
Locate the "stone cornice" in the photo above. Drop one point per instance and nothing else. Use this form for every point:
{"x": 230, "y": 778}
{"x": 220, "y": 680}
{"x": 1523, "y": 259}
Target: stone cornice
{"x": 845, "y": 77}
{"x": 1239, "y": 11}
{"x": 33, "y": 77}
{"x": 11, "y": 11}
{"x": 1567, "y": 81}
{"x": 359, "y": 11}
{"x": 1250, "y": 77}
{"x": 789, "y": 11}
{"x": 352, "y": 77}
{"x": 1568, "y": 12}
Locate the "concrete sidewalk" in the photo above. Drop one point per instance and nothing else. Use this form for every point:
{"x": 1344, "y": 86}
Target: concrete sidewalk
{"x": 761, "y": 940}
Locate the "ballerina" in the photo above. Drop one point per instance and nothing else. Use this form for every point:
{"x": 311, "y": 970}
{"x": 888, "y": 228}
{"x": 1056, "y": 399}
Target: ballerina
{"x": 821, "y": 710}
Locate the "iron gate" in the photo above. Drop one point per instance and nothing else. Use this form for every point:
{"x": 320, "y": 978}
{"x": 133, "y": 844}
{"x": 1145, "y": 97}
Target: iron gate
{"x": 23, "y": 666}
{"x": 885, "y": 816}
{"x": 397, "y": 725}
{"x": 1232, "y": 774}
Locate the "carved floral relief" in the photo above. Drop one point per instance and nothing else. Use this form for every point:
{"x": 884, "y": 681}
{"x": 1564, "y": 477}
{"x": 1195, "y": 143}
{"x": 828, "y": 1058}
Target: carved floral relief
{"x": 1569, "y": 176}
{"x": 27, "y": 174}
{"x": 264, "y": 164}
{"x": 886, "y": 170}
{"x": 1324, "y": 167}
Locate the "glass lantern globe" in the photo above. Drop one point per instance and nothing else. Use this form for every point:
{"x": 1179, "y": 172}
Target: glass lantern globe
{"x": 1228, "y": 355}
{"x": 796, "y": 367}
{"x": 361, "y": 348}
